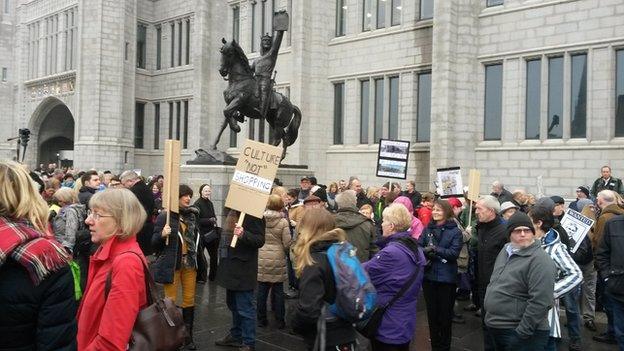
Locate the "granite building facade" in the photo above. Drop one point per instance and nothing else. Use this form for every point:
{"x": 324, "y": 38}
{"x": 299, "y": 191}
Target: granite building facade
{"x": 520, "y": 89}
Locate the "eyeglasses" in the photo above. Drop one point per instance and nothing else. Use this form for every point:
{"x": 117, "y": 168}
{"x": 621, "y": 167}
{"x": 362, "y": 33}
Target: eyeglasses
{"x": 521, "y": 230}
{"x": 96, "y": 216}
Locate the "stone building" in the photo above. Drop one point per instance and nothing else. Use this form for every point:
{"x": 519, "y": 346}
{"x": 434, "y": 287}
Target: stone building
{"x": 516, "y": 88}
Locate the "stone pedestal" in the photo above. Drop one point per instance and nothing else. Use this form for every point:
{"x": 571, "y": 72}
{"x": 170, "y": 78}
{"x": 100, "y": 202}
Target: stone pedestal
{"x": 219, "y": 177}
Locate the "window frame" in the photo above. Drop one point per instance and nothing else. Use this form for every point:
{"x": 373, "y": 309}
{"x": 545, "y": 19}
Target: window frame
{"x": 498, "y": 134}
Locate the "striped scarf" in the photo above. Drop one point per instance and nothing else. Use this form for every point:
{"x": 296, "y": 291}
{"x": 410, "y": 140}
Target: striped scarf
{"x": 37, "y": 252}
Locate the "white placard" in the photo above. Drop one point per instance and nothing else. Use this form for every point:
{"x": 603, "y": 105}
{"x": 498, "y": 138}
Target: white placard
{"x": 253, "y": 181}
{"x": 577, "y": 226}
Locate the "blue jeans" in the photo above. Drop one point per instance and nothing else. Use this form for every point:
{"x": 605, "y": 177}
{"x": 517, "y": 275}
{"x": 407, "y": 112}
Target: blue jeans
{"x": 277, "y": 296}
{"x": 618, "y": 321}
{"x": 242, "y": 306}
{"x": 573, "y": 313}
{"x": 508, "y": 340}
{"x": 551, "y": 345}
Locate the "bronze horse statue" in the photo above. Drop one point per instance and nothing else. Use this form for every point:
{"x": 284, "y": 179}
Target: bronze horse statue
{"x": 242, "y": 98}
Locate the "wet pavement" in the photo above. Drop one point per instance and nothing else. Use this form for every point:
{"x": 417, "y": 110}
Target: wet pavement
{"x": 212, "y": 321}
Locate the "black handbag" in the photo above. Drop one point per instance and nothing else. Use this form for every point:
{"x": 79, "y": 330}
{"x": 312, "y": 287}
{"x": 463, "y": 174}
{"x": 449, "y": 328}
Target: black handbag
{"x": 369, "y": 327}
{"x": 159, "y": 326}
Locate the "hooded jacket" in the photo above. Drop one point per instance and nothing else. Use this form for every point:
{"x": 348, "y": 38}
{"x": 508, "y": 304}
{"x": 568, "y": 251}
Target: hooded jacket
{"x": 272, "y": 256}
{"x": 84, "y": 195}
{"x": 610, "y": 257}
{"x": 360, "y": 231}
{"x": 417, "y": 227}
{"x": 607, "y": 213}
{"x": 389, "y": 270}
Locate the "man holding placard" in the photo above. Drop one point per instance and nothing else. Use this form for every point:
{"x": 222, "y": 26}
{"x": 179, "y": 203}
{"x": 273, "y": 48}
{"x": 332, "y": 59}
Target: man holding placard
{"x": 242, "y": 236}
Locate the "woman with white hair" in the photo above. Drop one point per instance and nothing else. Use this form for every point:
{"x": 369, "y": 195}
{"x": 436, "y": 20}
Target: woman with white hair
{"x": 115, "y": 290}
{"x": 36, "y": 284}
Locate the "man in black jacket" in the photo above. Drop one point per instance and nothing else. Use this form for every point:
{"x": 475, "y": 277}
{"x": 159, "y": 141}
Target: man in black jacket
{"x": 492, "y": 237}
{"x": 132, "y": 181}
{"x": 90, "y": 184}
{"x": 238, "y": 273}
{"x": 500, "y": 193}
{"x": 610, "y": 259}
{"x": 607, "y": 182}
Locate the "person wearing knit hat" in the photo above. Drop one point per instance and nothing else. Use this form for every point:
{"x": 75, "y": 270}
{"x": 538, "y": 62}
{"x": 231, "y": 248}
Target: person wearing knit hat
{"x": 559, "y": 209}
{"x": 520, "y": 291}
{"x": 581, "y": 193}
{"x": 507, "y": 209}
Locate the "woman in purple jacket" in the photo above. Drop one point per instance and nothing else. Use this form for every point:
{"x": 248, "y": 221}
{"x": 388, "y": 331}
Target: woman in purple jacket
{"x": 389, "y": 270}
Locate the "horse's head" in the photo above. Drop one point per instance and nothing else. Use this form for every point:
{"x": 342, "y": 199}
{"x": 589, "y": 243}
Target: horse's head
{"x": 231, "y": 54}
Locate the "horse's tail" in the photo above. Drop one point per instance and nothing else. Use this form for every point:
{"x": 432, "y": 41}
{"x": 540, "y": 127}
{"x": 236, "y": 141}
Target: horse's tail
{"x": 292, "y": 131}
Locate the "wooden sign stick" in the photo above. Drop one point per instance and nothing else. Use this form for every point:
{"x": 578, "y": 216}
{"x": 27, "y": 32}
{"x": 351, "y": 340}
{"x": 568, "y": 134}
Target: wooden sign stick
{"x": 241, "y": 218}
{"x": 470, "y": 214}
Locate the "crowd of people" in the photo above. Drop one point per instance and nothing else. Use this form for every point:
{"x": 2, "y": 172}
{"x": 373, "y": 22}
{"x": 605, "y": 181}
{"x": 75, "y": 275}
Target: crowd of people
{"x": 75, "y": 245}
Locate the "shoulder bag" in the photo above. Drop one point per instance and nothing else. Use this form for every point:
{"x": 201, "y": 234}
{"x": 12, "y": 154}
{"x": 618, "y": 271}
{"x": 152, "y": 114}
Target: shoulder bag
{"x": 159, "y": 326}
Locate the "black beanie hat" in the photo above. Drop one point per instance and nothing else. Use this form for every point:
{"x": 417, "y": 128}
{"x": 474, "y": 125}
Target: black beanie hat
{"x": 519, "y": 219}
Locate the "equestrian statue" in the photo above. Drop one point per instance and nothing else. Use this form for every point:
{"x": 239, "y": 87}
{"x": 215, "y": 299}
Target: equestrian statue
{"x": 250, "y": 90}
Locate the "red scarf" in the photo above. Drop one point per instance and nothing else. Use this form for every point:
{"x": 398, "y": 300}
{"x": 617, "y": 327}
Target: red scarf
{"x": 37, "y": 252}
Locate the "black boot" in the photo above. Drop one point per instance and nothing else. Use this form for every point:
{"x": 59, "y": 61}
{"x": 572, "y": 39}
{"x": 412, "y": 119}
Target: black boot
{"x": 188, "y": 314}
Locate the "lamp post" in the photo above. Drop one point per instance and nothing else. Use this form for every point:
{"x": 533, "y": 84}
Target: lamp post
{"x": 58, "y": 160}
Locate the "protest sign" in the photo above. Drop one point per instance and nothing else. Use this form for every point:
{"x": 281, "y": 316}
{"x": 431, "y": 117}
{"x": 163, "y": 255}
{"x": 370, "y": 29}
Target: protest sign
{"x": 253, "y": 179}
{"x": 449, "y": 182}
{"x": 474, "y": 185}
{"x": 577, "y": 226}
{"x": 392, "y": 158}
{"x": 171, "y": 172}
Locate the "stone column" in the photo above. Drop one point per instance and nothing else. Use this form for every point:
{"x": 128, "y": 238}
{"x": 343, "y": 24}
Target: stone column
{"x": 105, "y": 85}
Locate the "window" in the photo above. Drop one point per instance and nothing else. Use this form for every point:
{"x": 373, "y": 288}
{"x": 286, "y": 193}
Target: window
{"x": 170, "y": 120}
{"x": 236, "y": 24}
{"x": 341, "y": 20}
{"x": 158, "y": 47}
{"x": 393, "y": 113}
{"x": 426, "y": 9}
{"x": 173, "y": 44}
{"x": 139, "y": 120}
{"x": 4, "y": 74}
{"x": 493, "y": 102}
{"x": 367, "y": 15}
{"x": 141, "y": 47}
{"x": 423, "y": 121}
{"x": 381, "y": 13}
{"x": 179, "y": 44}
{"x": 338, "y": 112}
{"x": 395, "y": 14}
{"x": 178, "y": 118}
{"x": 379, "y": 110}
{"x": 619, "y": 94}
{"x": 188, "y": 41}
{"x": 364, "y": 110}
{"x": 555, "y": 97}
{"x": 533, "y": 99}
{"x": 7, "y": 6}
{"x": 578, "y": 98}
{"x": 156, "y": 126}
{"x": 494, "y": 2}
{"x": 186, "y": 121}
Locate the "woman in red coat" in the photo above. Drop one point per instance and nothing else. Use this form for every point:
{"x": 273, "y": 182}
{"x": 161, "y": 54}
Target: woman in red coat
{"x": 106, "y": 318}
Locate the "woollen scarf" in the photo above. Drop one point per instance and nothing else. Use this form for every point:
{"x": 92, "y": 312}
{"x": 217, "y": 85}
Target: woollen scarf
{"x": 37, "y": 252}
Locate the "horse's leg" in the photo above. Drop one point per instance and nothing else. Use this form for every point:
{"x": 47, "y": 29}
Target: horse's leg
{"x": 229, "y": 112}
{"x": 223, "y": 126}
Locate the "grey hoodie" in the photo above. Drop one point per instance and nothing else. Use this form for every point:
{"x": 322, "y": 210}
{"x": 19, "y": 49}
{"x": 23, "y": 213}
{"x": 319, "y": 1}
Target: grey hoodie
{"x": 520, "y": 292}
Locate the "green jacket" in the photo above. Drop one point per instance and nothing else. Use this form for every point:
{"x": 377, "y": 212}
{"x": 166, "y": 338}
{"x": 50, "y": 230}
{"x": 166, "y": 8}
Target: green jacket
{"x": 360, "y": 230}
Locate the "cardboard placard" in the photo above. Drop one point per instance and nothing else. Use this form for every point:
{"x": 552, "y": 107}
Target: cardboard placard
{"x": 474, "y": 185}
{"x": 171, "y": 173}
{"x": 253, "y": 178}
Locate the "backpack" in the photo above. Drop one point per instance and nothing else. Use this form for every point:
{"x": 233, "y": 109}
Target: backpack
{"x": 355, "y": 294}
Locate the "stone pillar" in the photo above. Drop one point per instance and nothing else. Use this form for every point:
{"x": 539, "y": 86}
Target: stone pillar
{"x": 105, "y": 85}
{"x": 456, "y": 123}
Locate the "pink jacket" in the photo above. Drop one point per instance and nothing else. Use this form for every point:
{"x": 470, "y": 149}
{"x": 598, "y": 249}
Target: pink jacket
{"x": 417, "y": 227}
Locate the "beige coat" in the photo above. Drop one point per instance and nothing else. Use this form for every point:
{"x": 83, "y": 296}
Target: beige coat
{"x": 272, "y": 256}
